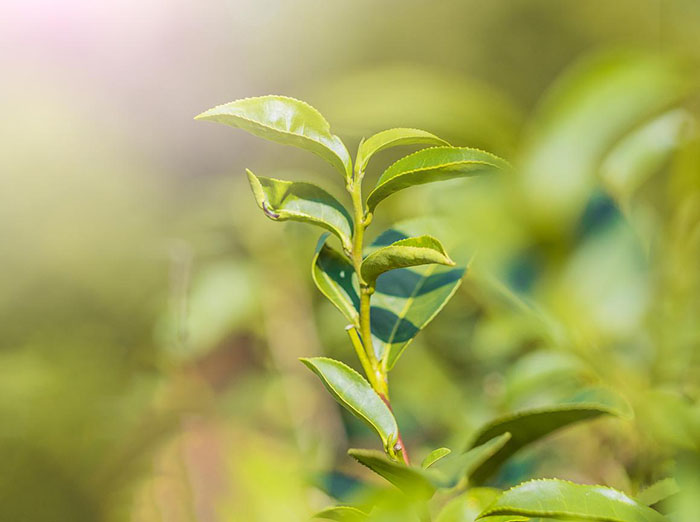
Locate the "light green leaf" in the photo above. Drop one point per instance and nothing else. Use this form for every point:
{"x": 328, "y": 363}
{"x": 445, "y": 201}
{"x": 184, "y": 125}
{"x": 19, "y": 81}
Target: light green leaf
{"x": 353, "y": 392}
{"x": 434, "y": 164}
{"x": 335, "y": 277}
{"x": 342, "y": 514}
{"x": 287, "y": 121}
{"x": 530, "y": 425}
{"x": 434, "y": 456}
{"x": 562, "y": 499}
{"x": 393, "y": 138}
{"x": 658, "y": 491}
{"x": 412, "y": 251}
{"x": 413, "y": 481}
{"x": 305, "y": 202}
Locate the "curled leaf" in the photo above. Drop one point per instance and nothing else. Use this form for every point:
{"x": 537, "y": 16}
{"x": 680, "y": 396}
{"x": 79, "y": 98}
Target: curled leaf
{"x": 305, "y": 202}
{"x": 335, "y": 277}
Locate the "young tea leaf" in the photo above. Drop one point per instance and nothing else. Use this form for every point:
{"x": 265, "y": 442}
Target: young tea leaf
{"x": 305, "y": 202}
{"x": 467, "y": 506}
{"x": 658, "y": 491}
{"x": 413, "y": 481}
{"x": 407, "y": 299}
{"x": 353, "y": 392}
{"x": 287, "y": 121}
{"x": 342, "y": 514}
{"x": 435, "y": 164}
{"x": 335, "y": 277}
{"x": 412, "y": 251}
{"x": 434, "y": 456}
{"x": 562, "y": 499}
{"x": 530, "y": 425}
{"x": 393, "y": 138}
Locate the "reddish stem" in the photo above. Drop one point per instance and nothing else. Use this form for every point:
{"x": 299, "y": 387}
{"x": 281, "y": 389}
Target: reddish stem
{"x": 399, "y": 446}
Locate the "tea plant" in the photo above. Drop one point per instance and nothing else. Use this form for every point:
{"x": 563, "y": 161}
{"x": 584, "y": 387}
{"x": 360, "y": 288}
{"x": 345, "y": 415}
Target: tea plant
{"x": 388, "y": 297}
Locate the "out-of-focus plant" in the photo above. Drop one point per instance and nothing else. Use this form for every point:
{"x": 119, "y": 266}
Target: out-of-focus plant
{"x": 389, "y": 291}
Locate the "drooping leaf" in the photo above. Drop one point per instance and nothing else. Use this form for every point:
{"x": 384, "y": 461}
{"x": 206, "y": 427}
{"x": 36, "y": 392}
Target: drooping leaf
{"x": 413, "y": 481}
{"x": 407, "y": 299}
{"x": 393, "y": 138}
{"x": 434, "y": 164}
{"x": 297, "y": 201}
{"x": 562, "y": 499}
{"x": 353, "y": 392}
{"x": 412, "y": 251}
{"x": 342, "y": 514}
{"x": 287, "y": 121}
{"x": 335, "y": 277}
{"x": 530, "y": 425}
{"x": 658, "y": 491}
{"x": 434, "y": 456}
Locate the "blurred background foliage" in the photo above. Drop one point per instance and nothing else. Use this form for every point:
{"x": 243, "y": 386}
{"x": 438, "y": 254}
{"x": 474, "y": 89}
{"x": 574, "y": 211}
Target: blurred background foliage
{"x": 152, "y": 317}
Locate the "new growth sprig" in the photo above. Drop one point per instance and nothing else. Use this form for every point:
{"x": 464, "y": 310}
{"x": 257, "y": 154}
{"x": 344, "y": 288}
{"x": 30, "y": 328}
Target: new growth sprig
{"x": 389, "y": 291}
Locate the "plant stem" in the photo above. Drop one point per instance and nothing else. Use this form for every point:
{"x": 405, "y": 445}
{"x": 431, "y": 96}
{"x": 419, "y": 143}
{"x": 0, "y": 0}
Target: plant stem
{"x": 376, "y": 373}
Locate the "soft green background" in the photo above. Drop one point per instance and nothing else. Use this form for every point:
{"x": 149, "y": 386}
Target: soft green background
{"x": 151, "y": 317}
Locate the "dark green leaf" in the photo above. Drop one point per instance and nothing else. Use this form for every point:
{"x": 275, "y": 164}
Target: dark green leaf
{"x": 434, "y": 456}
{"x": 429, "y": 165}
{"x": 287, "y": 121}
{"x": 562, "y": 499}
{"x": 393, "y": 138}
{"x": 335, "y": 277}
{"x": 342, "y": 514}
{"x": 353, "y": 392}
{"x": 406, "y": 300}
{"x": 305, "y": 202}
{"x": 530, "y": 425}
{"x": 413, "y": 481}
{"x": 412, "y": 251}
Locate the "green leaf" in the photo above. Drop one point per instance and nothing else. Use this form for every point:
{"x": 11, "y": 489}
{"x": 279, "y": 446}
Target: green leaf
{"x": 658, "y": 491}
{"x": 434, "y": 456}
{"x": 393, "y": 138}
{"x": 562, "y": 499}
{"x": 413, "y": 481}
{"x": 335, "y": 277}
{"x": 435, "y": 164}
{"x": 287, "y": 121}
{"x": 353, "y": 392}
{"x": 305, "y": 202}
{"x": 412, "y": 251}
{"x": 530, "y": 425}
{"x": 406, "y": 300}
{"x": 342, "y": 514}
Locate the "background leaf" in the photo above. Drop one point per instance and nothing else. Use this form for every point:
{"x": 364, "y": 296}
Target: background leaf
{"x": 435, "y": 164}
{"x": 305, "y": 202}
{"x": 335, "y": 277}
{"x": 393, "y": 138}
{"x": 287, "y": 121}
{"x": 562, "y": 499}
{"x": 412, "y": 251}
{"x": 530, "y": 425}
{"x": 352, "y": 391}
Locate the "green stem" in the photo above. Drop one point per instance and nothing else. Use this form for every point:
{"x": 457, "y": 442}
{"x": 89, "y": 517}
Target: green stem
{"x": 375, "y": 371}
